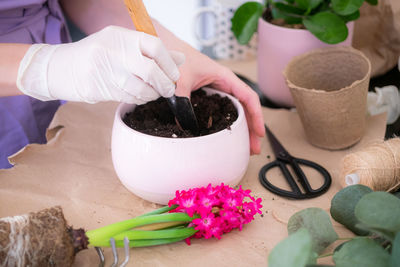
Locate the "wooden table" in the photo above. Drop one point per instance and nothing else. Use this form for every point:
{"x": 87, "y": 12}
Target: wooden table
{"x": 75, "y": 170}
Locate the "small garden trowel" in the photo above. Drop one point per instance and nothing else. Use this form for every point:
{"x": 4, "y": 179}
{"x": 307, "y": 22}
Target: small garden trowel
{"x": 181, "y": 106}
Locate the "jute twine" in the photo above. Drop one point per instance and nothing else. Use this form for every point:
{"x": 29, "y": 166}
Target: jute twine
{"x": 376, "y": 166}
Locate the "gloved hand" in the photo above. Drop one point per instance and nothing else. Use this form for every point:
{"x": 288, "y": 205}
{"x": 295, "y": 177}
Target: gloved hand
{"x": 113, "y": 64}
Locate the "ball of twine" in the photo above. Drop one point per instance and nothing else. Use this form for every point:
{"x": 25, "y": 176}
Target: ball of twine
{"x": 376, "y": 166}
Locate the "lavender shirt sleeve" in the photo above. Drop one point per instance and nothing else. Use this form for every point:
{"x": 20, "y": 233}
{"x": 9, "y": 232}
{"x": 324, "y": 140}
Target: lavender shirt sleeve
{"x": 23, "y": 119}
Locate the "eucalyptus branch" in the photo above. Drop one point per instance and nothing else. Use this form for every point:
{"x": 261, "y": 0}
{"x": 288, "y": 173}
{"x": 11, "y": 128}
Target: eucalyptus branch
{"x": 325, "y": 255}
{"x": 345, "y": 238}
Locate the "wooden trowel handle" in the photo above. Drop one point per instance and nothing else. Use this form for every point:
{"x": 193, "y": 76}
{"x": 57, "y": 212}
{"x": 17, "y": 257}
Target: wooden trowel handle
{"x": 140, "y": 17}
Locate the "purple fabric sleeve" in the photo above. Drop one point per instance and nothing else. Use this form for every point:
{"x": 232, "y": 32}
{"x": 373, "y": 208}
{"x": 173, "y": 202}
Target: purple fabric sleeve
{"x": 23, "y": 119}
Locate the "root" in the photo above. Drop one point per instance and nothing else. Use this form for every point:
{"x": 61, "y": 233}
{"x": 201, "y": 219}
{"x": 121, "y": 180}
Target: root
{"x": 39, "y": 239}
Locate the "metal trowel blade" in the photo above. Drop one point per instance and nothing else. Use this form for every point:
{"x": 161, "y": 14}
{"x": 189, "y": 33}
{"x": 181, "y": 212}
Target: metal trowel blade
{"x": 183, "y": 111}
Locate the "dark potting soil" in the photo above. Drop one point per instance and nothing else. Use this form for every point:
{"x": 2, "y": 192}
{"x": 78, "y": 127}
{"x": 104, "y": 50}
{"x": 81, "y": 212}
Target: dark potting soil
{"x": 213, "y": 112}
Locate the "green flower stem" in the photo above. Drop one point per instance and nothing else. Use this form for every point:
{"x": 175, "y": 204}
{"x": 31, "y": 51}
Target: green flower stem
{"x": 142, "y": 236}
{"x": 159, "y": 234}
{"x": 106, "y": 232}
{"x": 160, "y": 210}
{"x": 149, "y": 242}
{"x": 159, "y": 226}
{"x": 137, "y": 237}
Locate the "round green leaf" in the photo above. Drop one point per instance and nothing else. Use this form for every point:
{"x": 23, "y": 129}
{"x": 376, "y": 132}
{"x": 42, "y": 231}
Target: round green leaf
{"x": 325, "y": 6}
{"x": 245, "y": 21}
{"x": 361, "y": 252}
{"x": 288, "y": 9}
{"x": 343, "y": 204}
{"x": 308, "y": 4}
{"x": 351, "y": 17}
{"x": 395, "y": 257}
{"x": 318, "y": 224}
{"x": 339, "y": 247}
{"x": 382, "y": 233}
{"x": 295, "y": 250}
{"x": 327, "y": 26}
{"x": 277, "y": 14}
{"x": 346, "y": 7}
{"x": 379, "y": 210}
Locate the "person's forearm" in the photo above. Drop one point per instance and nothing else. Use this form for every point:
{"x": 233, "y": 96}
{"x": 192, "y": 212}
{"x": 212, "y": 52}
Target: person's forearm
{"x": 171, "y": 41}
{"x": 10, "y": 58}
{"x": 93, "y": 15}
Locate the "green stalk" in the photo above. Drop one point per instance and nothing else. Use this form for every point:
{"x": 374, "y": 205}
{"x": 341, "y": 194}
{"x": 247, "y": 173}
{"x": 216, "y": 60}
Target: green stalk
{"x": 160, "y": 210}
{"x": 159, "y": 226}
{"x": 345, "y": 238}
{"x": 106, "y": 232}
{"x": 148, "y": 242}
{"x": 325, "y": 255}
{"x": 169, "y": 233}
{"x": 135, "y": 236}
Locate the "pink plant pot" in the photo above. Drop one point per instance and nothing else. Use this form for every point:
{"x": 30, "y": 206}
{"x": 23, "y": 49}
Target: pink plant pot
{"x": 276, "y": 47}
{"x": 153, "y": 168}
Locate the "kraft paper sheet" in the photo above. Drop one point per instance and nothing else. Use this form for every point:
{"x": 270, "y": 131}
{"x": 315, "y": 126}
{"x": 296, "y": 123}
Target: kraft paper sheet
{"x": 74, "y": 170}
{"x": 377, "y": 35}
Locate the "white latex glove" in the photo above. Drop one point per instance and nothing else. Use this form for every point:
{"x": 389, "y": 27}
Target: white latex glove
{"x": 115, "y": 64}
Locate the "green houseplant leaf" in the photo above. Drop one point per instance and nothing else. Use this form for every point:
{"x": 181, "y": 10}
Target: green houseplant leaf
{"x": 297, "y": 251}
{"x": 318, "y": 224}
{"x": 351, "y": 17}
{"x": 245, "y": 21}
{"x": 327, "y": 26}
{"x": 277, "y": 14}
{"x": 344, "y": 203}
{"x": 361, "y": 252}
{"x": 289, "y": 9}
{"x": 325, "y": 6}
{"x": 379, "y": 210}
{"x": 326, "y": 19}
{"x": 395, "y": 257}
{"x": 346, "y": 7}
{"x": 372, "y": 2}
{"x": 308, "y": 4}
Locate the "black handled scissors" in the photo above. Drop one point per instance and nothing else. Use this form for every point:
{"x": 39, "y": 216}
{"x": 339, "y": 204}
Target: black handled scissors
{"x": 283, "y": 158}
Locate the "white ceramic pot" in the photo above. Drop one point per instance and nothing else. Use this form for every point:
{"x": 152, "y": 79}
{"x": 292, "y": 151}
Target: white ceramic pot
{"x": 153, "y": 168}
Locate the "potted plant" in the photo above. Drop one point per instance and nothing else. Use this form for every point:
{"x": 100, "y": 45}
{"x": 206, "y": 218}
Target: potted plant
{"x": 289, "y": 28}
{"x": 154, "y": 165}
